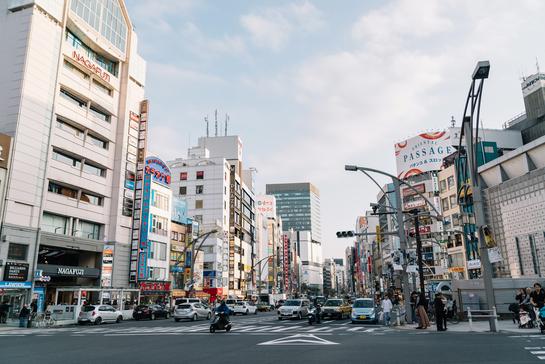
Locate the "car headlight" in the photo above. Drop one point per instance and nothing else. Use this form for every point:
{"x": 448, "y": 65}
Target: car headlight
{"x": 338, "y": 309}
{"x": 354, "y": 314}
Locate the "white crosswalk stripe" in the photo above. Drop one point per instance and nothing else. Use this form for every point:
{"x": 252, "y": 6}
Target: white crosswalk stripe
{"x": 538, "y": 351}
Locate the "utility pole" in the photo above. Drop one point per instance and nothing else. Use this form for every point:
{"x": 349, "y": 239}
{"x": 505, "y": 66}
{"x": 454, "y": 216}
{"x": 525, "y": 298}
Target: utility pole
{"x": 404, "y": 247}
{"x": 419, "y": 250}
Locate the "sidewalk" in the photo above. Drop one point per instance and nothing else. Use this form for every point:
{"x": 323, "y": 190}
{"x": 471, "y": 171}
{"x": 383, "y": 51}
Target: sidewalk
{"x": 506, "y": 326}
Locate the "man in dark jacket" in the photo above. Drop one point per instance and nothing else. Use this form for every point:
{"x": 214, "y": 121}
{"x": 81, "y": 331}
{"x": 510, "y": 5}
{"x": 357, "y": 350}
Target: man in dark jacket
{"x": 440, "y": 314}
{"x": 23, "y": 316}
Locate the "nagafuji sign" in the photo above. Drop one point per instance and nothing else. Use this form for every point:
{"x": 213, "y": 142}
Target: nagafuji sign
{"x": 423, "y": 153}
{"x": 91, "y": 66}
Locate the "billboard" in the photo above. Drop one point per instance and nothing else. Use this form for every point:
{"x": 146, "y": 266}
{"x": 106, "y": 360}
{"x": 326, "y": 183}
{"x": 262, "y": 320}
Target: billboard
{"x": 266, "y": 206}
{"x": 361, "y": 224}
{"x": 179, "y": 210}
{"x": 422, "y": 153}
{"x": 158, "y": 170}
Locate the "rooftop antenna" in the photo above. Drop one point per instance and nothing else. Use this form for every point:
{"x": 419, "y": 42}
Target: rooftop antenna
{"x": 537, "y": 66}
{"x": 207, "y": 124}
{"x": 216, "y": 117}
{"x": 452, "y": 122}
{"x": 226, "y": 122}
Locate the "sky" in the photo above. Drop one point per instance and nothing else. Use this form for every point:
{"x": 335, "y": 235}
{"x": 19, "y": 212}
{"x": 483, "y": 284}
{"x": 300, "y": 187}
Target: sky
{"x": 310, "y": 86}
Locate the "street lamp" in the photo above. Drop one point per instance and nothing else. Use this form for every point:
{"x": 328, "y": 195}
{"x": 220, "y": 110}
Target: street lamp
{"x": 470, "y": 122}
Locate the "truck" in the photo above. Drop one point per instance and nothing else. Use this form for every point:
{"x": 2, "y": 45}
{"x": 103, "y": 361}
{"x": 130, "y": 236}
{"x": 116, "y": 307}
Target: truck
{"x": 270, "y": 299}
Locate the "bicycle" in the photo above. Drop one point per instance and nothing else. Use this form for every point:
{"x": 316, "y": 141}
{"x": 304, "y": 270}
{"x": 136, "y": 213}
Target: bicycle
{"x": 44, "y": 320}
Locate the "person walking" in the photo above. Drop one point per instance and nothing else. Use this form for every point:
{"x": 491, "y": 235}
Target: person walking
{"x": 4, "y": 309}
{"x": 421, "y": 308}
{"x": 386, "y": 309}
{"x": 414, "y": 298}
{"x": 440, "y": 314}
{"x": 537, "y": 297}
{"x": 23, "y": 316}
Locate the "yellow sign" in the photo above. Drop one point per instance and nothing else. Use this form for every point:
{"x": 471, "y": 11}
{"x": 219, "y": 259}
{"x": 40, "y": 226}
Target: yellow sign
{"x": 456, "y": 269}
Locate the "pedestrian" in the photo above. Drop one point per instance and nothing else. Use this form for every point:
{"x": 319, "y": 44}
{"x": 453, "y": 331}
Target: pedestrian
{"x": 521, "y": 296}
{"x": 537, "y": 297}
{"x": 440, "y": 314}
{"x": 414, "y": 298}
{"x": 4, "y": 309}
{"x": 386, "y": 309}
{"x": 23, "y": 316}
{"x": 421, "y": 307}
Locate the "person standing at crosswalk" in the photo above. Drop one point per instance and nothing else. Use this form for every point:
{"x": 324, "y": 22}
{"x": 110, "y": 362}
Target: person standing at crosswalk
{"x": 386, "y": 309}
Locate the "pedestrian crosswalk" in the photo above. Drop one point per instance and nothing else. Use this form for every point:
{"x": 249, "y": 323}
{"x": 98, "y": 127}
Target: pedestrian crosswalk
{"x": 538, "y": 351}
{"x": 253, "y": 327}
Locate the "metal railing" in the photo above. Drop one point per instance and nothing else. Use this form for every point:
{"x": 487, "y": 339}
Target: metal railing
{"x": 481, "y": 314}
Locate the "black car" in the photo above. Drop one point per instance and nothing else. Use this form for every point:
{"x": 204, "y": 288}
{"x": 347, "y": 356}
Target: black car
{"x": 151, "y": 312}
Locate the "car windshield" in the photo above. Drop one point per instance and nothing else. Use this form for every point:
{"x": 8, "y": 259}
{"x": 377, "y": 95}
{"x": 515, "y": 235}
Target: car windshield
{"x": 88, "y": 308}
{"x": 183, "y": 307}
{"x": 333, "y": 303}
{"x": 363, "y": 304}
{"x": 239, "y": 304}
{"x": 292, "y": 303}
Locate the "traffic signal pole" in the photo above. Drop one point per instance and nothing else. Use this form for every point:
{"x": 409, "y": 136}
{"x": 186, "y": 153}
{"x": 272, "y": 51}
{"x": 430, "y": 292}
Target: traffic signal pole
{"x": 419, "y": 251}
{"x": 403, "y": 245}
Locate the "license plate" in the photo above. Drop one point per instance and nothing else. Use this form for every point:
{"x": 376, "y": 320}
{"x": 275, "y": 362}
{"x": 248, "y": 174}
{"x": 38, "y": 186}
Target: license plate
{"x": 363, "y": 317}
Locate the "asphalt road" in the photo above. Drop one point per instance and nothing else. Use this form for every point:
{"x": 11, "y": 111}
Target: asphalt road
{"x": 262, "y": 339}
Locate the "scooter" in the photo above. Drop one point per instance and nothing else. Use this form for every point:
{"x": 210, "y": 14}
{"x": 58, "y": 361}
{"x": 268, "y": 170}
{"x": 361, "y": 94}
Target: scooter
{"x": 314, "y": 316}
{"x": 540, "y": 315}
{"x": 220, "y": 322}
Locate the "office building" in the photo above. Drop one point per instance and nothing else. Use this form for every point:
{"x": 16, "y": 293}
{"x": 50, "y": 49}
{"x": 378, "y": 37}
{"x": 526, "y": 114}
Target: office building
{"x": 72, "y": 98}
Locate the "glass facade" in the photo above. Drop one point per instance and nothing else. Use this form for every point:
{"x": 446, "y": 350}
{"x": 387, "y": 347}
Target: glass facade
{"x": 105, "y": 17}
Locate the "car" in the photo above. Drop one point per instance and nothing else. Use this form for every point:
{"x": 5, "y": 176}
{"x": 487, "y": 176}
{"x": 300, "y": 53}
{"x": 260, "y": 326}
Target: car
{"x": 98, "y": 314}
{"x": 364, "y": 311}
{"x": 279, "y": 304}
{"x": 294, "y": 308}
{"x": 245, "y": 308}
{"x": 192, "y": 311}
{"x": 336, "y": 308}
{"x": 180, "y": 301}
{"x": 320, "y": 300}
{"x": 151, "y": 312}
{"x": 264, "y": 307}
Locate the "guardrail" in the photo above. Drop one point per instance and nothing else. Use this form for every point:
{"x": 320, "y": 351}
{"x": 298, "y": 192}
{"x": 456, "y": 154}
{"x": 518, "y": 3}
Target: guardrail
{"x": 470, "y": 315}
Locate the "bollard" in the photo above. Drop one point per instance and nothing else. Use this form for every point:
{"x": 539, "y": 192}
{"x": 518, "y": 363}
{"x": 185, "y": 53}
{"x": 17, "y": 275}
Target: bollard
{"x": 495, "y": 317}
{"x": 469, "y": 317}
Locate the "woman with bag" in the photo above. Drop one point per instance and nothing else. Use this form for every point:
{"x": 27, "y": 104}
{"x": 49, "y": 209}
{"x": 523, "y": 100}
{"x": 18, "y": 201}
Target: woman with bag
{"x": 421, "y": 307}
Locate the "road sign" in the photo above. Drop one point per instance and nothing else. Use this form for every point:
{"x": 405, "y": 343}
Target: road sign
{"x": 299, "y": 339}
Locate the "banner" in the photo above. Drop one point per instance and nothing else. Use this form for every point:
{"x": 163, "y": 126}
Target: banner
{"x": 422, "y": 153}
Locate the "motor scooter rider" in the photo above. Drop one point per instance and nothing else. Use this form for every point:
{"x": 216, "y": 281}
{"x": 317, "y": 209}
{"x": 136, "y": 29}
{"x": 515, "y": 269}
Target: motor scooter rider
{"x": 318, "y": 311}
{"x": 224, "y": 309}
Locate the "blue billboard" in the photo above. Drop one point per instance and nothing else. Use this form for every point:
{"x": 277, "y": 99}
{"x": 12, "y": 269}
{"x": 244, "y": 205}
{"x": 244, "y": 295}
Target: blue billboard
{"x": 142, "y": 272}
{"x": 179, "y": 210}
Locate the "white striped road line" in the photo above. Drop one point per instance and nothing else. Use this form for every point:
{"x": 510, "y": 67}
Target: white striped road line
{"x": 281, "y": 329}
{"x": 320, "y": 329}
{"x": 541, "y": 352}
{"x": 541, "y": 357}
{"x": 532, "y": 347}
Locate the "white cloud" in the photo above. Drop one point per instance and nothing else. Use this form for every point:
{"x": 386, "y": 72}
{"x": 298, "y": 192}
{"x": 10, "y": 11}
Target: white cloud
{"x": 272, "y": 27}
{"x": 195, "y": 39}
{"x": 156, "y": 14}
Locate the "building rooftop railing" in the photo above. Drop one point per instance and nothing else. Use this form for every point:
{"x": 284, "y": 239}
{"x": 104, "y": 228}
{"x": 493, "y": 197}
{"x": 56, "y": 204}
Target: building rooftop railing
{"x": 514, "y": 120}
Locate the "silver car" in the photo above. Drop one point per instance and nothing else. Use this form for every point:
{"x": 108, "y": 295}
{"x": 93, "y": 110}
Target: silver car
{"x": 192, "y": 311}
{"x": 98, "y": 314}
{"x": 294, "y": 308}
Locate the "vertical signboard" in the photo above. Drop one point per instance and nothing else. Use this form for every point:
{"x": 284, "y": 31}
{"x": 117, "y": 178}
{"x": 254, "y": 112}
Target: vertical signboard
{"x": 107, "y": 265}
{"x": 286, "y": 263}
{"x": 143, "y": 247}
{"x": 138, "y": 127}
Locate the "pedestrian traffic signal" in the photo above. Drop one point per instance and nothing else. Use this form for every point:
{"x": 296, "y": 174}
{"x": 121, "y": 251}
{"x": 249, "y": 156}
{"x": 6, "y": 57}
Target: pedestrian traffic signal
{"x": 345, "y": 234}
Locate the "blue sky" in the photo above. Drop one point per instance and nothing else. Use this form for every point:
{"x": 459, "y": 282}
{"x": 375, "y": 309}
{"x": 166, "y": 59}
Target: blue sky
{"x": 313, "y": 85}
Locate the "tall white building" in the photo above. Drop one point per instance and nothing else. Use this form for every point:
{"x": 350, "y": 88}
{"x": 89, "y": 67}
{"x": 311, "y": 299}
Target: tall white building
{"x": 220, "y": 195}
{"x": 268, "y": 243}
{"x": 70, "y": 77}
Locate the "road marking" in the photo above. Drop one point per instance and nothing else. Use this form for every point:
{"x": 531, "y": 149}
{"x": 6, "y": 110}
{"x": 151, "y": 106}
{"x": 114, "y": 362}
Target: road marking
{"x": 541, "y": 357}
{"x": 538, "y": 352}
{"x": 299, "y": 339}
{"x": 320, "y": 329}
{"x": 532, "y": 347}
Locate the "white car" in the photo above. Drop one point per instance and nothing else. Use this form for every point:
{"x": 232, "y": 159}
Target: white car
{"x": 97, "y": 314}
{"x": 192, "y": 311}
{"x": 294, "y": 308}
{"x": 245, "y": 308}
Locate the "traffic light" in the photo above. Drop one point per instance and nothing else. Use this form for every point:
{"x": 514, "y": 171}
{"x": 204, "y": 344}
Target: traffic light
{"x": 379, "y": 235}
{"x": 488, "y": 237}
{"x": 345, "y": 234}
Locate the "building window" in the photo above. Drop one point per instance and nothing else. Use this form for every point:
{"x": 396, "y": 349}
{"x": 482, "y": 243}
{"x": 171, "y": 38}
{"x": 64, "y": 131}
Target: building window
{"x": 62, "y": 190}
{"x": 159, "y": 225}
{"x": 66, "y": 159}
{"x": 97, "y": 141}
{"x": 56, "y": 224}
{"x": 533, "y": 250}
{"x": 17, "y": 251}
{"x": 102, "y": 115}
{"x": 444, "y": 204}
{"x": 183, "y": 176}
{"x": 198, "y": 218}
{"x": 99, "y": 86}
{"x": 450, "y": 182}
{"x": 160, "y": 201}
{"x": 91, "y": 199}
{"x": 200, "y": 174}
{"x": 517, "y": 244}
{"x": 157, "y": 274}
{"x": 199, "y": 189}
{"x": 91, "y": 169}
{"x": 78, "y": 133}
{"x": 73, "y": 98}
{"x": 453, "y": 200}
{"x": 183, "y": 190}
{"x": 198, "y": 204}
{"x": 87, "y": 230}
{"x": 158, "y": 250}
{"x": 69, "y": 66}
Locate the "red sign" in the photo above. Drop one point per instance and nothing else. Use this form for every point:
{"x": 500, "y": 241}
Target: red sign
{"x": 426, "y": 229}
{"x": 91, "y": 66}
{"x": 410, "y": 192}
{"x": 155, "y": 286}
{"x": 286, "y": 263}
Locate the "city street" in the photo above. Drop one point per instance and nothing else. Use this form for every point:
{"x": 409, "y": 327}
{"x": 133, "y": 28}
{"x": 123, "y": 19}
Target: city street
{"x": 270, "y": 340}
